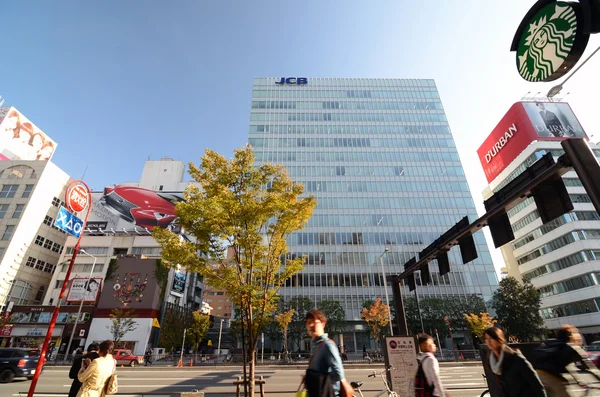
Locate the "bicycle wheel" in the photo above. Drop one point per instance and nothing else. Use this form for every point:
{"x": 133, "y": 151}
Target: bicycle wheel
{"x": 485, "y": 393}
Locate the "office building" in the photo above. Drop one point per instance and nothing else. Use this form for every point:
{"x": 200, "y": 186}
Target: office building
{"x": 560, "y": 258}
{"x": 379, "y": 156}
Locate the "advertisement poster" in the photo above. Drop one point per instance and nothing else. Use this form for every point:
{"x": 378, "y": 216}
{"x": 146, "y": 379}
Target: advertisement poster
{"x": 84, "y": 290}
{"x": 133, "y": 209}
{"x": 402, "y": 357}
{"x": 20, "y": 139}
{"x": 179, "y": 279}
{"x": 554, "y": 120}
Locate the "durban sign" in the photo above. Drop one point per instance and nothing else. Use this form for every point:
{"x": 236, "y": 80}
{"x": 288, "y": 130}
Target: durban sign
{"x": 551, "y": 39}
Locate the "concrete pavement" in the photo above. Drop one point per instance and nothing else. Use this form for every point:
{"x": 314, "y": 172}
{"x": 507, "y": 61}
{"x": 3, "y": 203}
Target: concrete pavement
{"x": 463, "y": 381}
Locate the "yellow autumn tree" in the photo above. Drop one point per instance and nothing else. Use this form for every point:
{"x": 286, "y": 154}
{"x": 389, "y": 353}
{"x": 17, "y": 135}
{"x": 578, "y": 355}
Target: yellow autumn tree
{"x": 284, "y": 320}
{"x": 377, "y": 316}
{"x": 251, "y": 211}
{"x": 479, "y": 323}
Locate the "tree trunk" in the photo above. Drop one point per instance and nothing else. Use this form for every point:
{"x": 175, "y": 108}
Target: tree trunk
{"x": 251, "y": 352}
{"x": 251, "y": 375}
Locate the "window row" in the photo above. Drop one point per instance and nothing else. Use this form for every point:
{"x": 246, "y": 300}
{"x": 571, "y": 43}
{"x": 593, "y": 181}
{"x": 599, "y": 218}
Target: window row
{"x": 373, "y": 220}
{"x": 354, "y": 142}
{"x": 82, "y": 268}
{"x": 573, "y": 284}
{"x": 148, "y": 251}
{"x": 412, "y": 117}
{"x": 40, "y": 265}
{"x": 560, "y": 242}
{"x": 575, "y": 198}
{"x": 349, "y": 105}
{"x": 15, "y": 214}
{"x": 359, "y": 130}
{"x": 276, "y": 92}
{"x": 58, "y": 202}
{"x": 358, "y": 238}
{"x": 45, "y": 317}
{"x": 49, "y": 221}
{"x": 548, "y": 227}
{"x": 9, "y": 191}
{"x": 343, "y": 83}
{"x": 428, "y": 185}
{"x": 278, "y": 156}
{"x": 571, "y": 309}
{"x": 563, "y": 263}
{"x": 89, "y": 250}
{"x": 48, "y": 244}
{"x": 369, "y": 171}
{"x": 394, "y": 202}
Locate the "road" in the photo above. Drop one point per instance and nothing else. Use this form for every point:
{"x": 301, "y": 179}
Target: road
{"x": 54, "y": 382}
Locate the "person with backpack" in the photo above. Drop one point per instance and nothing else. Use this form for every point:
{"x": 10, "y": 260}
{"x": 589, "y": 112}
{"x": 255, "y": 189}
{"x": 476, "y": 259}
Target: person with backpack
{"x": 515, "y": 375}
{"x": 325, "y": 374}
{"x": 554, "y": 356}
{"x": 427, "y": 380}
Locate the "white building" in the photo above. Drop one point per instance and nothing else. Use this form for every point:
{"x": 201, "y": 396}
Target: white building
{"x": 560, "y": 258}
{"x": 31, "y": 193}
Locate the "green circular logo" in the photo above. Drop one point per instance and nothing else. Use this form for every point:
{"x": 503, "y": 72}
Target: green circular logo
{"x": 550, "y": 44}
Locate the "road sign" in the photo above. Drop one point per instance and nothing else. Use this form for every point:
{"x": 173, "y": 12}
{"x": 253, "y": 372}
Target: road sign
{"x": 68, "y": 222}
{"x": 155, "y": 323}
{"x": 76, "y": 197}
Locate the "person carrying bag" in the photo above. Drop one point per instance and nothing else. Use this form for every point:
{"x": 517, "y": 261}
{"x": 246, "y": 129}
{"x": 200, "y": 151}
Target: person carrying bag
{"x": 325, "y": 373}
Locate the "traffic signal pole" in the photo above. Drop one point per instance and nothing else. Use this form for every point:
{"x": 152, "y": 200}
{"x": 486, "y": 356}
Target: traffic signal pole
{"x": 578, "y": 156}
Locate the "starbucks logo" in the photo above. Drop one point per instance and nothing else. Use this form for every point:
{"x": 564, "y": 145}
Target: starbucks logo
{"x": 550, "y": 44}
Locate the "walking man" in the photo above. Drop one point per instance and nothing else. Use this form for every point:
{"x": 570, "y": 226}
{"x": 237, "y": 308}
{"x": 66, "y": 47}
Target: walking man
{"x": 427, "y": 380}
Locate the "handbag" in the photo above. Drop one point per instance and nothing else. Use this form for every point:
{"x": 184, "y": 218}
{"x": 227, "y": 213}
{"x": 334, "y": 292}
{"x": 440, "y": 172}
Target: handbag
{"x": 112, "y": 385}
{"x": 345, "y": 389}
{"x": 301, "y": 392}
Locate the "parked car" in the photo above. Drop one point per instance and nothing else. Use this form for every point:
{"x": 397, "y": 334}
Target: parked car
{"x": 125, "y": 357}
{"x": 593, "y": 352}
{"x": 17, "y": 363}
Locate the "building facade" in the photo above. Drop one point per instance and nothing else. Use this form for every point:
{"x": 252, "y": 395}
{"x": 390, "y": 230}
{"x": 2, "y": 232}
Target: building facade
{"x": 380, "y": 159}
{"x": 560, "y": 258}
{"x": 31, "y": 193}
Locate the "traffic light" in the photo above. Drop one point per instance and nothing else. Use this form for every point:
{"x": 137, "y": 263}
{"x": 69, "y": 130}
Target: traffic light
{"x": 410, "y": 279}
{"x": 443, "y": 262}
{"x": 425, "y": 275}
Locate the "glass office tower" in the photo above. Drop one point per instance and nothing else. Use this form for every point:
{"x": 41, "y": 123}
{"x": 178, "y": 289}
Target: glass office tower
{"x": 379, "y": 156}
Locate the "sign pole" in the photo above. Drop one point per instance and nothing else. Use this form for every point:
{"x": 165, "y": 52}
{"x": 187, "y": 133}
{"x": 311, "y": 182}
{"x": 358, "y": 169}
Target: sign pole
{"x": 40, "y": 364}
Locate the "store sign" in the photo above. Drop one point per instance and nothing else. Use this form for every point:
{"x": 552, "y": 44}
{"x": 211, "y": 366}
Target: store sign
{"x": 6, "y": 330}
{"x": 179, "y": 280}
{"x": 76, "y": 197}
{"x": 68, "y": 222}
{"x": 293, "y": 80}
{"x": 550, "y": 40}
{"x": 36, "y": 332}
{"x": 524, "y": 123}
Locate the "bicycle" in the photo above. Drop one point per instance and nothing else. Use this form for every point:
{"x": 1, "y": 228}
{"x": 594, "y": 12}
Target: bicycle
{"x": 385, "y": 392}
{"x": 486, "y": 393}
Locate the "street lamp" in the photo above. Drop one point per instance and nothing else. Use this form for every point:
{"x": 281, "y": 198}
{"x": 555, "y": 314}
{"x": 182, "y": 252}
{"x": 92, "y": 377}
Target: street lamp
{"x": 80, "y": 303}
{"x": 220, "y": 330}
{"x": 387, "y": 298}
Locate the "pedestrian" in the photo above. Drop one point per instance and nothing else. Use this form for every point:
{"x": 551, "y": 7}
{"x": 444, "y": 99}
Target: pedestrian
{"x": 325, "y": 374}
{"x": 515, "y": 375}
{"x": 148, "y": 357}
{"x": 94, "y": 374}
{"x": 344, "y": 353}
{"x": 427, "y": 380}
{"x": 554, "y": 356}
{"x": 92, "y": 354}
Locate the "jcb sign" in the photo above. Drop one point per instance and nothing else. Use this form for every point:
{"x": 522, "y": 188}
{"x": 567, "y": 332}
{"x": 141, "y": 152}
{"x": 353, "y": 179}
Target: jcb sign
{"x": 292, "y": 80}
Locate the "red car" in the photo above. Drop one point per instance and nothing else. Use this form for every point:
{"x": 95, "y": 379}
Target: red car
{"x": 142, "y": 207}
{"x": 124, "y": 357}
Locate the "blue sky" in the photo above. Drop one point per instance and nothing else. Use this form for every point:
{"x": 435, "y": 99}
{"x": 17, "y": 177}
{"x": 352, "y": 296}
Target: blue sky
{"x": 115, "y": 82}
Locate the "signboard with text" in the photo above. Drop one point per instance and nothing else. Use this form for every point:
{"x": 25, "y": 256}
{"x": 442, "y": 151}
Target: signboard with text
{"x": 402, "y": 356}
{"x": 20, "y": 139}
{"x": 68, "y": 222}
{"x": 84, "y": 290}
{"x": 524, "y": 123}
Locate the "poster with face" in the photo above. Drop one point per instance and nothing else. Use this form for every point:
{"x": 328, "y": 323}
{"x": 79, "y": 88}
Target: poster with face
{"x": 554, "y": 120}
{"x": 20, "y": 139}
{"x": 83, "y": 289}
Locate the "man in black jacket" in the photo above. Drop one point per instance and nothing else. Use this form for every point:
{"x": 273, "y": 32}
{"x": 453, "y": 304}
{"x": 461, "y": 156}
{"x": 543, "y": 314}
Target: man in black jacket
{"x": 92, "y": 353}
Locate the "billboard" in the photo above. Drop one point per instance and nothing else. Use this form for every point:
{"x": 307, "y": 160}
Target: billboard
{"x": 20, "y": 139}
{"x": 524, "y": 123}
{"x": 133, "y": 285}
{"x": 133, "y": 208}
{"x": 84, "y": 290}
{"x": 178, "y": 287}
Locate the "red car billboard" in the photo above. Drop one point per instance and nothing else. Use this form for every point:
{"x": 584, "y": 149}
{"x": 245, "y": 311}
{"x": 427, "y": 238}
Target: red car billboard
{"x": 524, "y": 123}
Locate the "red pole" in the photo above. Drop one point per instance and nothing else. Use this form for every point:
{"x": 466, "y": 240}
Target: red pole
{"x": 40, "y": 364}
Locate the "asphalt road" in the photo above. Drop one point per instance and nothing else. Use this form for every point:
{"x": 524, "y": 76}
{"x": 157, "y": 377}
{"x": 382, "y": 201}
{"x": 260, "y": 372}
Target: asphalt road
{"x": 162, "y": 381}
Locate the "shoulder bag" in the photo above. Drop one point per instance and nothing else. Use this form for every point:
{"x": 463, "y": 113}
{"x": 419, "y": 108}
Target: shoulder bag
{"x": 112, "y": 385}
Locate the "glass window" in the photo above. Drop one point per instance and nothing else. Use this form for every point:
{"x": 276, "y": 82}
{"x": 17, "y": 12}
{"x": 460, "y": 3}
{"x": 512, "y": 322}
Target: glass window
{"x": 8, "y": 191}
{"x": 3, "y": 208}
{"x": 8, "y": 232}
{"x": 18, "y": 210}
{"x": 27, "y": 192}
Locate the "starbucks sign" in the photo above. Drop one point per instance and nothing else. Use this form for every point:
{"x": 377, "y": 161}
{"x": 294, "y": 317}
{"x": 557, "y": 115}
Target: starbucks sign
{"x": 550, "y": 40}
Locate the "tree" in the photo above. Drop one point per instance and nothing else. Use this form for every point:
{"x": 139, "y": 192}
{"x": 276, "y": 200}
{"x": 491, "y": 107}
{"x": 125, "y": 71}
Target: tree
{"x": 252, "y": 211}
{"x": 478, "y": 324}
{"x": 377, "y": 317}
{"x": 122, "y": 323}
{"x": 198, "y": 328}
{"x": 518, "y": 309}
{"x": 297, "y": 329}
{"x": 283, "y": 321}
{"x": 336, "y": 316}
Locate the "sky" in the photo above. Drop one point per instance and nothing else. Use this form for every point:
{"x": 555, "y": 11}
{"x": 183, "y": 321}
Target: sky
{"x": 115, "y": 83}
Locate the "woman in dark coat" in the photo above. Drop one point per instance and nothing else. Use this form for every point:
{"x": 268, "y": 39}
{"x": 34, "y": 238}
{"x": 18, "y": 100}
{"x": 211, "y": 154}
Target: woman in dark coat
{"x": 514, "y": 373}
{"x": 92, "y": 354}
